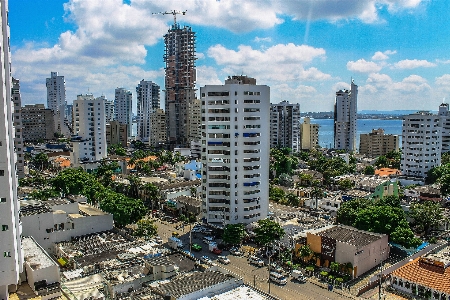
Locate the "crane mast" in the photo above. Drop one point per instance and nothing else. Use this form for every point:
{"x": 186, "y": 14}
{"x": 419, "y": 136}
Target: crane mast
{"x": 174, "y": 13}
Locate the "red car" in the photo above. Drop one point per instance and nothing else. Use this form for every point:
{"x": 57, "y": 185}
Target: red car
{"x": 217, "y": 251}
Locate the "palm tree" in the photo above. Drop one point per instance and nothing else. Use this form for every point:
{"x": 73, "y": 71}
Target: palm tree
{"x": 316, "y": 192}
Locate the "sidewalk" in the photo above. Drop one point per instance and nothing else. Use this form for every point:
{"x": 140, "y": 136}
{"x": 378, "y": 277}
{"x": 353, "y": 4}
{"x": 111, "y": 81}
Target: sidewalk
{"x": 314, "y": 280}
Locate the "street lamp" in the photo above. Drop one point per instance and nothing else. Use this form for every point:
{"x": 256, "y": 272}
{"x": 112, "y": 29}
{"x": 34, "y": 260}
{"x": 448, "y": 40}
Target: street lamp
{"x": 380, "y": 275}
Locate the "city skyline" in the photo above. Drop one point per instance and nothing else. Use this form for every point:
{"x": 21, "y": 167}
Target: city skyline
{"x": 305, "y": 50}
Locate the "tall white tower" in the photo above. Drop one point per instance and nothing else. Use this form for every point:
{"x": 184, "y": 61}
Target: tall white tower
{"x": 235, "y": 151}
{"x": 345, "y": 110}
{"x": 123, "y": 108}
{"x": 147, "y": 103}
{"x": 56, "y": 100}
{"x": 90, "y": 127}
{"x": 11, "y": 254}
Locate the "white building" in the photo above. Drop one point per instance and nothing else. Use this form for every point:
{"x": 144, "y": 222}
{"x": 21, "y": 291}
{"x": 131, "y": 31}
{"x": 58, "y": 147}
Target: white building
{"x": 18, "y": 139}
{"x": 11, "y": 254}
{"x": 123, "y": 104}
{"x": 235, "y": 154}
{"x": 285, "y": 125}
{"x": 345, "y": 109}
{"x": 158, "y": 134}
{"x": 421, "y": 144}
{"x": 444, "y": 116}
{"x": 109, "y": 110}
{"x": 147, "y": 103}
{"x": 89, "y": 128}
{"x": 56, "y": 100}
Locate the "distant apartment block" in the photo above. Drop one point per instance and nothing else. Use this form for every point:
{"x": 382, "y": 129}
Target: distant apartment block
{"x": 158, "y": 133}
{"x": 194, "y": 120}
{"x": 345, "y": 110}
{"x": 444, "y": 117}
{"x": 123, "y": 108}
{"x": 56, "y": 101}
{"x": 37, "y": 123}
{"x": 285, "y": 125}
{"x": 421, "y": 143}
{"x": 109, "y": 110}
{"x": 147, "y": 103}
{"x": 17, "y": 121}
{"x": 309, "y": 134}
{"x": 377, "y": 143}
{"x": 116, "y": 134}
{"x": 90, "y": 129}
{"x": 235, "y": 151}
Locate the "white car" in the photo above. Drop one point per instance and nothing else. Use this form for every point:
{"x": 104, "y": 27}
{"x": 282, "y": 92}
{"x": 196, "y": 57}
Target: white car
{"x": 277, "y": 278}
{"x": 205, "y": 259}
{"x": 254, "y": 260}
{"x": 235, "y": 251}
{"x": 223, "y": 259}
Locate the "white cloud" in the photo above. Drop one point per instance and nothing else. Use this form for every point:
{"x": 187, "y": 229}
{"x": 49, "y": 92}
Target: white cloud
{"x": 260, "y": 40}
{"x": 443, "y": 61}
{"x": 443, "y": 85}
{"x": 363, "y": 66}
{"x": 383, "y": 55}
{"x": 412, "y": 64}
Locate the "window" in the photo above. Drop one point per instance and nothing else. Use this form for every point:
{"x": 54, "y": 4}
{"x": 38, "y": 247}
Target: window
{"x": 2, "y": 200}
{"x": 2, "y": 172}
{"x": 7, "y": 254}
{"x": 4, "y": 227}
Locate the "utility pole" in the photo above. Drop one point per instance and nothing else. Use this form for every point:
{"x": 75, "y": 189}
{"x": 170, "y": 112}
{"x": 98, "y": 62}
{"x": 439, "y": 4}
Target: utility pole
{"x": 190, "y": 238}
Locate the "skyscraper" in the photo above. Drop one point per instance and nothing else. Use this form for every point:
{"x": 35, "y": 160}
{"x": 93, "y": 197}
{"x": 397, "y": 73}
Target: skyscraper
{"x": 180, "y": 76}
{"x": 18, "y": 139}
{"x": 285, "y": 125}
{"x": 310, "y": 134}
{"x": 147, "y": 103}
{"x": 11, "y": 254}
{"x": 56, "y": 100}
{"x": 345, "y": 110}
{"x": 123, "y": 108}
{"x": 235, "y": 154}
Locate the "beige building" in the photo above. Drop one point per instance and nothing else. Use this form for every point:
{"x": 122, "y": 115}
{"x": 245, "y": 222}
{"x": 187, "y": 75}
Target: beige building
{"x": 116, "y": 133}
{"x": 194, "y": 120}
{"x": 37, "y": 123}
{"x": 309, "y": 135}
{"x": 377, "y": 143}
{"x": 158, "y": 135}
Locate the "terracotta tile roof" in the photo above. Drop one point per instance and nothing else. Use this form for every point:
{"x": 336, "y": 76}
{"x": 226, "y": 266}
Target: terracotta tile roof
{"x": 386, "y": 172}
{"x": 421, "y": 271}
{"x": 145, "y": 159}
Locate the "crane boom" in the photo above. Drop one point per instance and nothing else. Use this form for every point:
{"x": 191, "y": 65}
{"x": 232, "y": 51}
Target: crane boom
{"x": 173, "y": 12}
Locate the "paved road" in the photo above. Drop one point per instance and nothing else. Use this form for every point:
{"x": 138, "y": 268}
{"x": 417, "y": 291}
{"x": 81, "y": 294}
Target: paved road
{"x": 252, "y": 274}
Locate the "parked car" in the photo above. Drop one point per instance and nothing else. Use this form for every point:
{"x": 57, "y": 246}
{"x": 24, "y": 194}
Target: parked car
{"x": 277, "y": 278}
{"x": 223, "y": 259}
{"x": 254, "y": 260}
{"x": 298, "y": 275}
{"x": 276, "y": 268}
{"x": 158, "y": 240}
{"x": 208, "y": 239}
{"x": 205, "y": 259}
{"x": 235, "y": 251}
{"x": 196, "y": 247}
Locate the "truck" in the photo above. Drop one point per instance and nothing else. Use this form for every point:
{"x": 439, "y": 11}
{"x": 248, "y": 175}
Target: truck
{"x": 175, "y": 243}
{"x": 214, "y": 249}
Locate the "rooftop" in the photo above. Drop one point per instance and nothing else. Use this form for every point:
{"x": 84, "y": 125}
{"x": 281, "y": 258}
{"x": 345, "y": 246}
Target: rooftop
{"x": 90, "y": 210}
{"x": 241, "y": 292}
{"x": 350, "y": 235}
{"x": 34, "y": 255}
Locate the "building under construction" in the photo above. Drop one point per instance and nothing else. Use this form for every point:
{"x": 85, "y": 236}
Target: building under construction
{"x": 180, "y": 76}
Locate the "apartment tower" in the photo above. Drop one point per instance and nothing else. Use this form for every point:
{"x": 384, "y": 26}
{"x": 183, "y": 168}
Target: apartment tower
{"x": 309, "y": 134}
{"x": 147, "y": 103}
{"x": 285, "y": 125}
{"x": 11, "y": 254}
{"x": 235, "y": 151}
{"x": 56, "y": 100}
{"x": 123, "y": 108}
{"x": 377, "y": 143}
{"x": 18, "y": 128}
{"x": 345, "y": 110}
{"x": 180, "y": 76}
{"x": 444, "y": 117}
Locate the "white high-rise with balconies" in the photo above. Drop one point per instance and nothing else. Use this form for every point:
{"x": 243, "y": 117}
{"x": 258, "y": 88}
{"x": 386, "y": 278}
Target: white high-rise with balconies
{"x": 147, "y": 103}
{"x": 11, "y": 254}
{"x": 345, "y": 116}
{"x": 123, "y": 103}
{"x": 285, "y": 125}
{"x": 421, "y": 143}
{"x": 90, "y": 129}
{"x": 235, "y": 151}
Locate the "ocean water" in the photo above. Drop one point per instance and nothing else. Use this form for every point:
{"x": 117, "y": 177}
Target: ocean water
{"x": 326, "y": 129}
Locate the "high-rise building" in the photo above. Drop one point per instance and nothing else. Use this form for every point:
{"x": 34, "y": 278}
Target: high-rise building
{"x": 377, "y": 143}
{"x": 285, "y": 125}
{"x": 38, "y": 123}
{"x": 345, "y": 110}
{"x": 235, "y": 151}
{"x": 109, "y": 110}
{"x": 123, "y": 108}
{"x": 69, "y": 115}
{"x": 147, "y": 103}
{"x": 180, "y": 76}
{"x": 116, "y": 133}
{"x": 421, "y": 143}
{"x": 158, "y": 133}
{"x": 56, "y": 100}
{"x": 90, "y": 129}
{"x": 194, "y": 120}
{"x": 17, "y": 115}
{"x": 310, "y": 134}
{"x": 444, "y": 117}
{"x": 11, "y": 254}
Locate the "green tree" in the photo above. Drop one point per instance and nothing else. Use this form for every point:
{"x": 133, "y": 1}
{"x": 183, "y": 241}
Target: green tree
{"x": 304, "y": 252}
{"x": 405, "y": 237}
{"x": 382, "y": 162}
{"x": 292, "y": 200}
{"x": 40, "y": 161}
{"x": 73, "y": 181}
{"x": 369, "y": 170}
{"x": 445, "y": 158}
{"x": 276, "y": 194}
{"x": 43, "y": 194}
{"x": 426, "y": 215}
{"x": 268, "y": 231}
{"x": 349, "y": 210}
{"x": 233, "y": 234}
{"x": 345, "y": 184}
{"x": 151, "y": 194}
{"x": 392, "y": 201}
{"x": 125, "y": 210}
{"x": 146, "y": 228}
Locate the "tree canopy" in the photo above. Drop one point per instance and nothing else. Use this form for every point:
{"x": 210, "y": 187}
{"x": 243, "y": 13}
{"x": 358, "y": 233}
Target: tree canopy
{"x": 268, "y": 231}
{"x": 233, "y": 234}
{"x": 426, "y": 215}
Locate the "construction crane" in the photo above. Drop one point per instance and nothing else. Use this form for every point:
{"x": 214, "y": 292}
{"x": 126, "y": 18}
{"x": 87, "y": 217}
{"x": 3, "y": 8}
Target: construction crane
{"x": 174, "y": 13}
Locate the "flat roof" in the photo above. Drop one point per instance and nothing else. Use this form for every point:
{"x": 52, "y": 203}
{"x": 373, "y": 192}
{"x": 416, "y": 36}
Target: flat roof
{"x": 350, "y": 235}
{"x": 241, "y": 292}
{"x": 90, "y": 210}
{"x": 35, "y": 256}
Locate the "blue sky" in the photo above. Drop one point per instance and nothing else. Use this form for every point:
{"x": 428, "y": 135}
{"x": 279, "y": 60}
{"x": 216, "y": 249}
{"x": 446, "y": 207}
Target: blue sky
{"x": 397, "y": 51}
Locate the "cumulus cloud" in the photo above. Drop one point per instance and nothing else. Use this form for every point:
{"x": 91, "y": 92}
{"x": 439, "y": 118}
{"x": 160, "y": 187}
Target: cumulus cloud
{"x": 443, "y": 84}
{"x": 363, "y": 66}
{"x": 383, "y": 55}
{"x": 412, "y": 64}
{"x": 260, "y": 40}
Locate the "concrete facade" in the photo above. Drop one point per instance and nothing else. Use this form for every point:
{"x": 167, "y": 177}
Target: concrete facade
{"x": 147, "y": 103}
{"x": 345, "y": 110}
{"x": 377, "y": 143}
{"x": 18, "y": 138}
{"x": 116, "y": 133}
{"x": 285, "y": 125}
{"x": 123, "y": 103}
{"x": 309, "y": 134}
{"x": 37, "y": 123}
